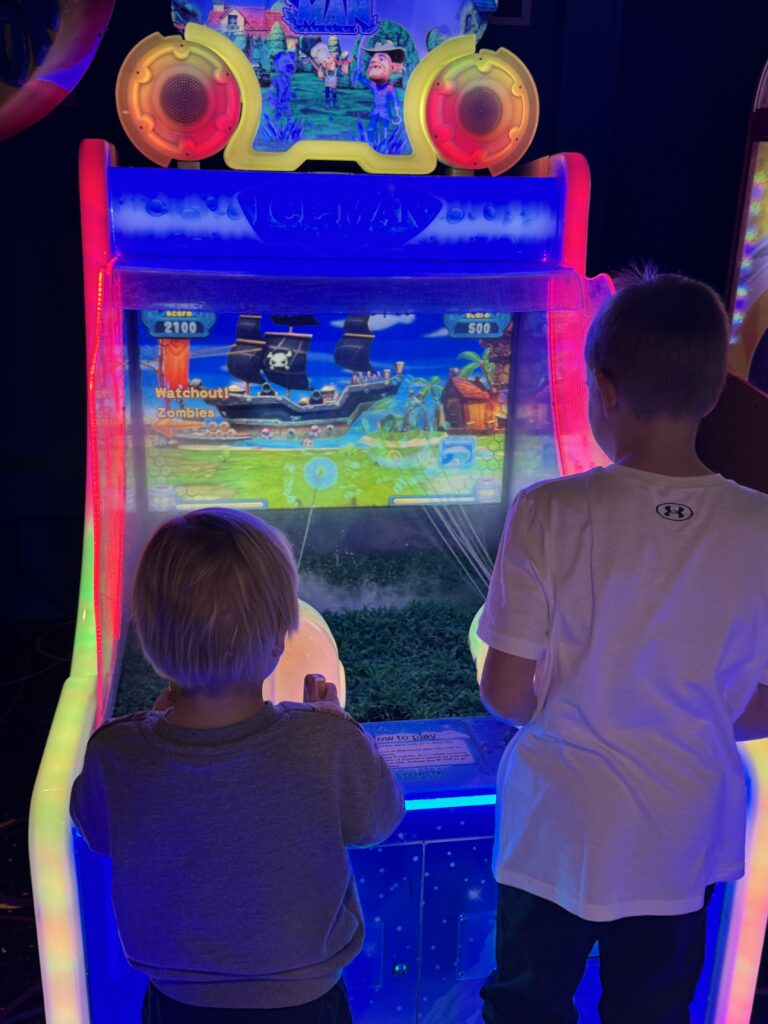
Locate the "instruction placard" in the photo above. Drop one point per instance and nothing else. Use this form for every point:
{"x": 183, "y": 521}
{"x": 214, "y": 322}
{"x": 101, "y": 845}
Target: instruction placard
{"x": 424, "y": 750}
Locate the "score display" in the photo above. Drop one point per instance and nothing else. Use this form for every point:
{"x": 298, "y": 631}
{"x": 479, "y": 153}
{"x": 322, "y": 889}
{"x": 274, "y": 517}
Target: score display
{"x": 477, "y": 325}
{"x": 178, "y": 323}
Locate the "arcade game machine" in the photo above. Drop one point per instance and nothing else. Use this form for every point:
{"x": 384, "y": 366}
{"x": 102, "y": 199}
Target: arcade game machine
{"x": 731, "y": 441}
{"x": 376, "y": 363}
{"x": 749, "y": 340}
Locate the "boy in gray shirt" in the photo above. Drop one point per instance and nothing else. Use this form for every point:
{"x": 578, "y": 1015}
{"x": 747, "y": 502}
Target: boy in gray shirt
{"x": 227, "y": 818}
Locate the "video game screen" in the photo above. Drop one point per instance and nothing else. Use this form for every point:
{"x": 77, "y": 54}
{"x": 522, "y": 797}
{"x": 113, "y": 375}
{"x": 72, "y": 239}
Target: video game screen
{"x": 300, "y": 411}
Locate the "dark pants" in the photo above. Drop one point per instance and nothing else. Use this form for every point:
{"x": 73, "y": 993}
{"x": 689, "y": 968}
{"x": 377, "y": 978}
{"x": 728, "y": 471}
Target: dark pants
{"x": 332, "y": 1008}
{"x": 649, "y": 966}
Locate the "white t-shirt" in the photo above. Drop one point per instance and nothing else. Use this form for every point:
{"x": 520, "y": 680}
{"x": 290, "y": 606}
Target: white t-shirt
{"x": 644, "y": 599}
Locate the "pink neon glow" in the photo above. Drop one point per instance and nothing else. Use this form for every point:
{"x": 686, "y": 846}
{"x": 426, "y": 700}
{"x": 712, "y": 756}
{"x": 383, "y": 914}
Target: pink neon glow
{"x": 575, "y": 446}
{"x": 573, "y": 169}
{"x": 105, "y": 481}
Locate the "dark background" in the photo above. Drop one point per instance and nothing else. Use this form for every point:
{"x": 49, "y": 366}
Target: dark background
{"x": 656, "y": 94}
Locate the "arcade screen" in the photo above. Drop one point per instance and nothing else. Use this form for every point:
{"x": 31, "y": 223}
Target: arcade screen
{"x": 350, "y": 411}
{"x": 386, "y": 447}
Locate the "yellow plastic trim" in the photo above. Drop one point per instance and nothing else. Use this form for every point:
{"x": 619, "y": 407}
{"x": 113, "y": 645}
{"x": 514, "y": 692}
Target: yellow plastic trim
{"x": 240, "y": 154}
{"x": 243, "y": 74}
{"x": 51, "y": 854}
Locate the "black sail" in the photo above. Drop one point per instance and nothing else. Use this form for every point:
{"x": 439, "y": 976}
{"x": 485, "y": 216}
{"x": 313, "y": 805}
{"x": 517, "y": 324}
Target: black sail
{"x": 244, "y": 360}
{"x": 353, "y": 347}
{"x": 285, "y": 359}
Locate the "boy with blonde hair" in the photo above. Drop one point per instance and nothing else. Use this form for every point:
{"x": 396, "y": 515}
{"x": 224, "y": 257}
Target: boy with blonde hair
{"x": 627, "y": 624}
{"x": 227, "y": 818}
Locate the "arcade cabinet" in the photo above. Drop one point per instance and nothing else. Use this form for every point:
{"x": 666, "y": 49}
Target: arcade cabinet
{"x": 376, "y": 363}
{"x": 749, "y": 288}
{"x": 731, "y": 441}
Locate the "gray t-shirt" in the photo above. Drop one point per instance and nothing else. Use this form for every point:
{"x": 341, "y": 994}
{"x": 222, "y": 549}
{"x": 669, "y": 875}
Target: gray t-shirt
{"x": 231, "y": 882}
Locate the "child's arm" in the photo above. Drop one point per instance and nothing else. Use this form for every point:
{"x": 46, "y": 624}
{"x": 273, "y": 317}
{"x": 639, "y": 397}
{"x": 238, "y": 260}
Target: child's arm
{"x": 514, "y": 622}
{"x": 752, "y": 724}
{"x": 506, "y": 687}
{"x": 322, "y": 695}
{"x": 371, "y": 799}
{"x": 385, "y": 811}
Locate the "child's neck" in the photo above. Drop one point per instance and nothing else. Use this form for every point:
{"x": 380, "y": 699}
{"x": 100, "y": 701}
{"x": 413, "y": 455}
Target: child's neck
{"x": 661, "y": 445}
{"x": 203, "y": 711}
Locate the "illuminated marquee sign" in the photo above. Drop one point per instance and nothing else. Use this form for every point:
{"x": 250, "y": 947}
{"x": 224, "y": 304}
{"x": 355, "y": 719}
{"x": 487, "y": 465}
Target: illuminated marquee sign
{"x": 352, "y": 17}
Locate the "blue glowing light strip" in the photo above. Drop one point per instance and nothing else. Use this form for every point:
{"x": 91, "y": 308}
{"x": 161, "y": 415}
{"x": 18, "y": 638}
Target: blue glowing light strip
{"x": 432, "y": 803}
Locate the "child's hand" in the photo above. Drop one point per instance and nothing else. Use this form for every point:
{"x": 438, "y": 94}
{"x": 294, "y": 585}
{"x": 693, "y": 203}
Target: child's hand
{"x": 167, "y": 698}
{"x": 318, "y": 691}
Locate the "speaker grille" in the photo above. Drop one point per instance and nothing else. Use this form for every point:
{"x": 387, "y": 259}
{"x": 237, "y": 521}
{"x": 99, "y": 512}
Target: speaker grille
{"x": 480, "y": 110}
{"x": 184, "y": 99}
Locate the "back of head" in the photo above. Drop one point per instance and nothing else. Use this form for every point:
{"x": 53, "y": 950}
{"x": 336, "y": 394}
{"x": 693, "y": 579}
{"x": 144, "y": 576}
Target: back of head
{"x": 662, "y": 340}
{"x": 215, "y": 594}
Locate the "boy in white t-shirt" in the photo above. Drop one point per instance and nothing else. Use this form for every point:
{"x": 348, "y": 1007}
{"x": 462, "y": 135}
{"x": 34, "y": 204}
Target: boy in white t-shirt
{"x": 638, "y": 596}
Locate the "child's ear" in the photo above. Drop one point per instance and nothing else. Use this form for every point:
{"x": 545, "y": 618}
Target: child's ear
{"x": 609, "y": 396}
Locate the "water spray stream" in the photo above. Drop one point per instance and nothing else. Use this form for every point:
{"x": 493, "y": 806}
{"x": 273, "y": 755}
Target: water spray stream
{"x": 306, "y": 530}
{"x": 446, "y": 538}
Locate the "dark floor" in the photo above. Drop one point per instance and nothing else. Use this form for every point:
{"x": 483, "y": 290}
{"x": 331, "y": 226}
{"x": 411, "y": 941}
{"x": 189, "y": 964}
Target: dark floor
{"x": 35, "y": 666}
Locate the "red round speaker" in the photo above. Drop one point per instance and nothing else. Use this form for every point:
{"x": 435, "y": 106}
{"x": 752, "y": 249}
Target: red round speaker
{"x": 177, "y": 100}
{"x": 482, "y": 111}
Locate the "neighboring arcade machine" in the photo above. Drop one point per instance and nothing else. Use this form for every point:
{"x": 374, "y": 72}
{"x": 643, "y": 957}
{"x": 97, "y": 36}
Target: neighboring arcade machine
{"x": 731, "y": 441}
{"x": 47, "y": 47}
{"x": 749, "y": 288}
{"x": 376, "y": 365}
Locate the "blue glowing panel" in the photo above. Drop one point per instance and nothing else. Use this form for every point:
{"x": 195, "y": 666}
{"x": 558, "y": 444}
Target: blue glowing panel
{"x": 383, "y": 981}
{"x": 453, "y": 759}
{"x": 263, "y": 217}
{"x": 459, "y": 911}
{"x": 115, "y": 990}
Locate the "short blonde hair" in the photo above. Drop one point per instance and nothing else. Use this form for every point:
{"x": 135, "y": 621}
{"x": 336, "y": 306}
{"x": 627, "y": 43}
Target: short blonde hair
{"x": 215, "y": 593}
{"x": 662, "y": 340}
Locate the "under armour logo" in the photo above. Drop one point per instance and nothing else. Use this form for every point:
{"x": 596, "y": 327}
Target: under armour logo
{"x": 674, "y": 512}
